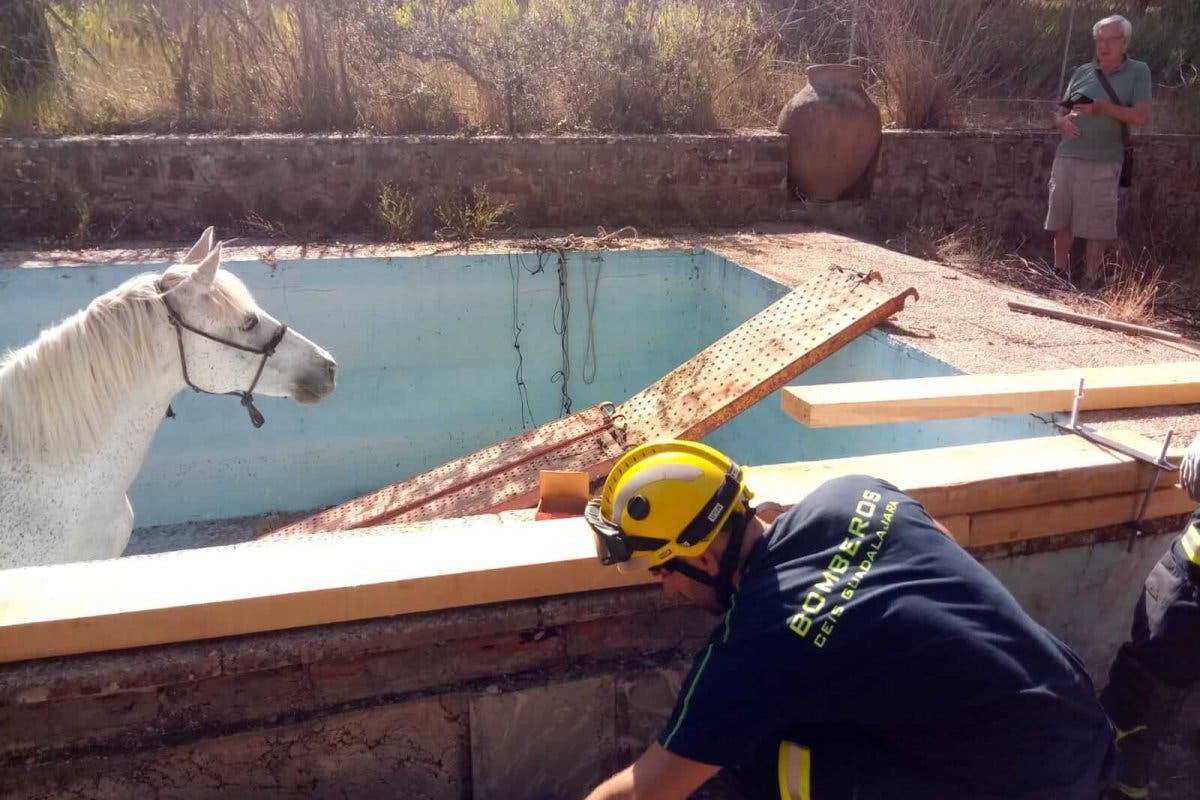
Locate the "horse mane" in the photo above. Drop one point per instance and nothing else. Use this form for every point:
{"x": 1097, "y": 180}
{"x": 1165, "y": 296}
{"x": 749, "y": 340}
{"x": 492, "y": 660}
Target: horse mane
{"x": 58, "y": 393}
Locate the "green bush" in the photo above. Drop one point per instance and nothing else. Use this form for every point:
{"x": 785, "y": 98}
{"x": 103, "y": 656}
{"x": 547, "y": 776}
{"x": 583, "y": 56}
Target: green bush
{"x": 470, "y": 216}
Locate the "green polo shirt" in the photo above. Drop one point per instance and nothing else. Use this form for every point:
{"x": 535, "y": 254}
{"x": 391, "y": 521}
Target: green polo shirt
{"x": 1099, "y": 134}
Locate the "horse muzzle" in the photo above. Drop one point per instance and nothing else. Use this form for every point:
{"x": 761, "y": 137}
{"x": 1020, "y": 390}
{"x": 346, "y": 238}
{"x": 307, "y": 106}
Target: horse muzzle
{"x": 317, "y": 384}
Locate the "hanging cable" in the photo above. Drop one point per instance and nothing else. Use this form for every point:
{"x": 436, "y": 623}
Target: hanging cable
{"x": 562, "y": 314}
{"x": 516, "y": 265}
{"x": 589, "y": 297}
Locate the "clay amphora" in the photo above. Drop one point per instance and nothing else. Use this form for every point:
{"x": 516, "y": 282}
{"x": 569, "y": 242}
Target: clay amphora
{"x": 834, "y": 132}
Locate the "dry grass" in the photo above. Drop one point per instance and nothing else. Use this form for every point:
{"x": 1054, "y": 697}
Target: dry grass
{"x": 548, "y": 65}
{"x": 1131, "y": 292}
{"x": 1138, "y": 286}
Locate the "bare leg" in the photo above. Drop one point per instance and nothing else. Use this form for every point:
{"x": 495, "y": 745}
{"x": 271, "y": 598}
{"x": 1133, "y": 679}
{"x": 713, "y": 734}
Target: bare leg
{"x": 1093, "y": 260}
{"x": 1063, "y": 239}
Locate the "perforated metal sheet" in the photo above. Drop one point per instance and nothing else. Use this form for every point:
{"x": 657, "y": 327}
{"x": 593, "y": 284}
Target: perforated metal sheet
{"x": 496, "y": 478}
{"x": 759, "y": 357}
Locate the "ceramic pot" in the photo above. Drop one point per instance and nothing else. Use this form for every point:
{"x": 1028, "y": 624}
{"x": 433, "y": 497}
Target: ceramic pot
{"x": 834, "y": 132}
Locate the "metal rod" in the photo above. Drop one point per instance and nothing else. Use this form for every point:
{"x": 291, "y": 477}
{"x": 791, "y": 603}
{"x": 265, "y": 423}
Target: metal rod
{"x": 1153, "y": 481}
{"x": 1096, "y": 438}
{"x": 1075, "y": 405}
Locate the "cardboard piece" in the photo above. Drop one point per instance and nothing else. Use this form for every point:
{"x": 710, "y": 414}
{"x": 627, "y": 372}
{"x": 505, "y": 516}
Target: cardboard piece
{"x": 562, "y": 494}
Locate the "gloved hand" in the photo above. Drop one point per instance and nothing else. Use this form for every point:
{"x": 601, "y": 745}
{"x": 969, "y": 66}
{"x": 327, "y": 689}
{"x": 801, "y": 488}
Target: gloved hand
{"x": 1189, "y": 470}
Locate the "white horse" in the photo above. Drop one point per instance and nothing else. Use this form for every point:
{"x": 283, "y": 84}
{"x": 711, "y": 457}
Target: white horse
{"x": 80, "y": 405}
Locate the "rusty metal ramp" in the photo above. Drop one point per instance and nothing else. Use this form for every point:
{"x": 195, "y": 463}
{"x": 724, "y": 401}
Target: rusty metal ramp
{"x": 757, "y": 358}
{"x": 760, "y": 356}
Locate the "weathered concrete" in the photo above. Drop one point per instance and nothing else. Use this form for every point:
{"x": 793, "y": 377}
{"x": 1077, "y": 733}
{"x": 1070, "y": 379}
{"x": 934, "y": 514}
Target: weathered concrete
{"x": 566, "y": 729}
{"x": 415, "y": 749}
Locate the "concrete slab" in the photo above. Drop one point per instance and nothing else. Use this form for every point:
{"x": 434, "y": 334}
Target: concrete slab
{"x": 554, "y": 742}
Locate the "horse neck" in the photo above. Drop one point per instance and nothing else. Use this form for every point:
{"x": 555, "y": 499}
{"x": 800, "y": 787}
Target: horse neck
{"x": 119, "y": 452}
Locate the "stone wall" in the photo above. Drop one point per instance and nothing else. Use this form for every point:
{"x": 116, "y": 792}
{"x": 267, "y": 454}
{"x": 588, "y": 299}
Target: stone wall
{"x": 947, "y": 179}
{"x": 304, "y": 185}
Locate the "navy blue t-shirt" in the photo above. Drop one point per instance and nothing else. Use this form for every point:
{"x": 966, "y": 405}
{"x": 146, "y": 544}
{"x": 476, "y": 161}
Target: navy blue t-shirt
{"x": 855, "y": 615}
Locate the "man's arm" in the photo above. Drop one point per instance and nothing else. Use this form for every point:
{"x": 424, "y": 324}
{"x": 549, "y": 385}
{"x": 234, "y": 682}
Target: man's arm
{"x": 1139, "y": 114}
{"x": 658, "y": 774}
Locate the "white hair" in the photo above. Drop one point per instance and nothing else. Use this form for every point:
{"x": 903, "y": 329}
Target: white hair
{"x": 57, "y": 393}
{"x": 1115, "y": 19}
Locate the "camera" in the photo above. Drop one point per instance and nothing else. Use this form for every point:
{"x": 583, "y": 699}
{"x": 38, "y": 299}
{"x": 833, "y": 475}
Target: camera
{"x": 1076, "y": 99}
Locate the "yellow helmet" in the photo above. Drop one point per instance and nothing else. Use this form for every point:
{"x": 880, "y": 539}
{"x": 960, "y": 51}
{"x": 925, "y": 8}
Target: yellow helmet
{"x": 663, "y": 500}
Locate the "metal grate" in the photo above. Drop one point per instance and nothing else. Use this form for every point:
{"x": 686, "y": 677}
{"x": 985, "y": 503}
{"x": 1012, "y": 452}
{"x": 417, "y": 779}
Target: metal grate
{"x": 759, "y": 357}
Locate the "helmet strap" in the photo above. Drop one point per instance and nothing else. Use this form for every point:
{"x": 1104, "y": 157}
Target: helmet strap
{"x": 722, "y": 582}
{"x": 732, "y": 557}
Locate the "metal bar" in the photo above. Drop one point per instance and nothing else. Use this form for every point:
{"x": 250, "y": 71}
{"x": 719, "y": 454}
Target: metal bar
{"x": 1096, "y": 438}
{"x": 1075, "y": 405}
{"x": 1141, "y": 515}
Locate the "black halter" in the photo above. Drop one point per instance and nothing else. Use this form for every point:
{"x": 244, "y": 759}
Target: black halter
{"x": 266, "y": 351}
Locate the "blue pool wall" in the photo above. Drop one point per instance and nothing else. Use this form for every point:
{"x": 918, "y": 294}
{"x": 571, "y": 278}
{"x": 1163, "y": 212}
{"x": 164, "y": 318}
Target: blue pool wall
{"x": 428, "y": 370}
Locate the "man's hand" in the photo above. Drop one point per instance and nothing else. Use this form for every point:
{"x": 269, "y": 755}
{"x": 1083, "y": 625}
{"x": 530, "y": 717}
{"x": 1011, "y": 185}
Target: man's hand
{"x": 1189, "y": 470}
{"x": 1066, "y": 125}
{"x": 769, "y": 511}
{"x": 657, "y": 775}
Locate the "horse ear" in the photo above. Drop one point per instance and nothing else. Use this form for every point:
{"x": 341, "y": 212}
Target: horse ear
{"x": 206, "y": 273}
{"x": 201, "y": 248}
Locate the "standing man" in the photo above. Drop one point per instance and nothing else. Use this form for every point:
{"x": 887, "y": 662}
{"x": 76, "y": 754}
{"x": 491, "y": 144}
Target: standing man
{"x": 1094, "y": 121}
{"x": 1160, "y": 664}
{"x": 863, "y": 654}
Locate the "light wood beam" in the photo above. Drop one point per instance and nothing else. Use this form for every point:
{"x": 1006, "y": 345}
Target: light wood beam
{"x": 956, "y": 396}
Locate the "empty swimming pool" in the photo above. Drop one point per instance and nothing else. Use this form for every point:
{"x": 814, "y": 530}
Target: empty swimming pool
{"x": 442, "y": 355}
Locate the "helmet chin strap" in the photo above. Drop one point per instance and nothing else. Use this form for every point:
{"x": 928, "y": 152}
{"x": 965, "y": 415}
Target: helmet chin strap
{"x": 722, "y": 582}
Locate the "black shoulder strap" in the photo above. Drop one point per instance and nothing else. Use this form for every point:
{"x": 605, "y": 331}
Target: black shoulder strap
{"x": 1112, "y": 95}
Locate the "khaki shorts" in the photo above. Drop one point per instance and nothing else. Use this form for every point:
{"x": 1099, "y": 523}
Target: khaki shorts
{"x": 1083, "y": 197}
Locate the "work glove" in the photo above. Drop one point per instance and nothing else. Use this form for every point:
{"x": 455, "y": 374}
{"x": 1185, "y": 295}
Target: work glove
{"x": 1189, "y": 470}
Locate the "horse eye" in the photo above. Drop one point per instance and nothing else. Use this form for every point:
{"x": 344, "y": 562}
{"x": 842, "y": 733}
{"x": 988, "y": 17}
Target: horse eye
{"x": 250, "y": 323}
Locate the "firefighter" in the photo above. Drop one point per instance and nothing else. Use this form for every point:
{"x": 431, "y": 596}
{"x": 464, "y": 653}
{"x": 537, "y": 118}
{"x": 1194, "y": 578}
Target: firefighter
{"x": 862, "y": 653}
{"x": 1153, "y": 671}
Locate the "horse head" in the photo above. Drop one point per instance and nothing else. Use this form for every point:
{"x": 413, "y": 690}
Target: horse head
{"x": 227, "y": 344}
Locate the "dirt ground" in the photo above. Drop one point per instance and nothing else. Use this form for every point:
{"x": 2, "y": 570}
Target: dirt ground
{"x": 960, "y": 318}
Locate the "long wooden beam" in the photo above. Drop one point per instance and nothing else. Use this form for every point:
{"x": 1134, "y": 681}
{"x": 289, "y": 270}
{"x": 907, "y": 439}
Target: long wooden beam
{"x": 984, "y": 493}
{"x": 263, "y": 586}
{"x": 965, "y": 479}
{"x": 1015, "y": 524}
{"x": 955, "y": 396}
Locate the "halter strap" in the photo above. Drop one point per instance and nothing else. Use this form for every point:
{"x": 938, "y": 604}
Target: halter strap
{"x": 266, "y": 351}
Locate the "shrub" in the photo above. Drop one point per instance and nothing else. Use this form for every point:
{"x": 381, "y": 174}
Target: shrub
{"x": 396, "y": 211}
{"x": 471, "y": 216}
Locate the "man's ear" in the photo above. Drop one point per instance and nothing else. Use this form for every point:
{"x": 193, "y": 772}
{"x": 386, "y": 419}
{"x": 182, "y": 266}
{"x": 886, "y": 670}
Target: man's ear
{"x": 710, "y": 562}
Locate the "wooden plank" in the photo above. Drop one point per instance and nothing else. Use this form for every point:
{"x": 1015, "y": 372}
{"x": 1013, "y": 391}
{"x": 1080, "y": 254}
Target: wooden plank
{"x": 310, "y": 580}
{"x": 959, "y": 526}
{"x": 1010, "y": 525}
{"x": 325, "y": 578}
{"x": 1096, "y": 322}
{"x": 970, "y": 478}
{"x": 956, "y": 396}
